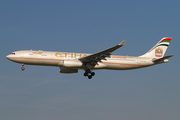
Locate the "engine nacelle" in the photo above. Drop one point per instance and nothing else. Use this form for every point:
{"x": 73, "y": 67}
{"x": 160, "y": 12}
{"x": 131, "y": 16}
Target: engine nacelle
{"x": 72, "y": 63}
{"x": 67, "y": 70}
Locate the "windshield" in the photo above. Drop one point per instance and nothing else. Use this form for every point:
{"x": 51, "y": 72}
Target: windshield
{"x": 12, "y": 53}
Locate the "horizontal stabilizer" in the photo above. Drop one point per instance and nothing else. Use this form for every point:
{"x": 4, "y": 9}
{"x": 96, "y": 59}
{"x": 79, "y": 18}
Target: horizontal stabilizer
{"x": 162, "y": 59}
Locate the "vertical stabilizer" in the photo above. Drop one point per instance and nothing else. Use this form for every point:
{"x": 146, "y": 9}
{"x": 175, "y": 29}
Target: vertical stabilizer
{"x": 159, "y": 49}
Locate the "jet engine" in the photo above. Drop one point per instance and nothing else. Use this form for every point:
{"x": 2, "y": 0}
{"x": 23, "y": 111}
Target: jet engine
{"x": 67, "y": 70}
{"x": 72, "y": 63}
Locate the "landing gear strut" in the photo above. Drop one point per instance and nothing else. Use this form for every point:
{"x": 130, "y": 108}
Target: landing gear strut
{"x": 22, "y": 67}
{"x": 88, "y": 73}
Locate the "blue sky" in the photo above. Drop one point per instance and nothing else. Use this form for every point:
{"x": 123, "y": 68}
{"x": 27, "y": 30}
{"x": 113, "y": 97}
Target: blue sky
{"x": 42, "y": 93}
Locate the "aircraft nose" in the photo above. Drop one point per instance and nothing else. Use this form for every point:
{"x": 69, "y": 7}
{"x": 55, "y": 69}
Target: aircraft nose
{"x": 7, "y": 56}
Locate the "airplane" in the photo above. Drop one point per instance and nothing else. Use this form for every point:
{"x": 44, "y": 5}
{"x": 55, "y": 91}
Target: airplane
{"x": 71, "y": 62}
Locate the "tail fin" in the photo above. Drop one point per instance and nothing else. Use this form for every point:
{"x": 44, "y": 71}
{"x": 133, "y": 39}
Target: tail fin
{"x": 159, "y": 49}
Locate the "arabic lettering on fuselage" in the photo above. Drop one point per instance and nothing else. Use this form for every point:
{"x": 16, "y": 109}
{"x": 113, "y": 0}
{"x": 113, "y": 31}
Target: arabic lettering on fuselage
{"x": 37, "y": 53}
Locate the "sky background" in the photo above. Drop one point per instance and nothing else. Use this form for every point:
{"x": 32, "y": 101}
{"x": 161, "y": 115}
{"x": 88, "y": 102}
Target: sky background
{"x": 89, "y": 26}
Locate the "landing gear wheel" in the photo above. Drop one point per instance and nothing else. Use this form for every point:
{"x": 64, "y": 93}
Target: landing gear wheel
{"x": 88, "y": 73}
{"x": 22, "y": 68}
{"x": 85, "y": 74}
{"x": 93, "y": 73}
{"x": 90, "y": 77}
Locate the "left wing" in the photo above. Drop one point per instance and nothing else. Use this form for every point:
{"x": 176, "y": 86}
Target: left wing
{"x": 97, "y": 57}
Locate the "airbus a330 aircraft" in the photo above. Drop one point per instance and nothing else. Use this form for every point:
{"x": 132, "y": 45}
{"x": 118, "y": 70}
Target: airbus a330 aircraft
{"x": 71, "y": 62}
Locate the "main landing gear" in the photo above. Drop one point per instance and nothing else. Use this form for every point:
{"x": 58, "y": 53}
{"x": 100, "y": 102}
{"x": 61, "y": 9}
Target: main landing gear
{"x": 22, "y": 67}
{"x": 88, "y": 73}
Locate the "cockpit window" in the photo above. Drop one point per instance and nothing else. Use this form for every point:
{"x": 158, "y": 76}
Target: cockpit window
{"x": 12, "y": 53}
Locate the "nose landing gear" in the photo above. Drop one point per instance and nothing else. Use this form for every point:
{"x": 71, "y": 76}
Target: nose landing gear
{"x": 88, "y": 73}
{"x": 22, "y": 67}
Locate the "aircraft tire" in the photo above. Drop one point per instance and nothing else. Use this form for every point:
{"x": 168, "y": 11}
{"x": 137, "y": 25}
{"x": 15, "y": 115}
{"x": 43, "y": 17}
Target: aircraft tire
{"x": 93, "y": 73}
{"x": 90, "y": 77}
{"x": 85, "y": 74}
{"x": 22, "y": 68}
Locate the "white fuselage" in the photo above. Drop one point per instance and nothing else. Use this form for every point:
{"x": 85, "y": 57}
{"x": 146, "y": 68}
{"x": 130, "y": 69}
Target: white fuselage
{"x": 47, "y": 58}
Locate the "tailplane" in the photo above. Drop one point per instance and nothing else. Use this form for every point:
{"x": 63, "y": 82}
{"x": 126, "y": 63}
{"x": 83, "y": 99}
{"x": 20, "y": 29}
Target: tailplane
{"x": 159, "y": 49}
{"x": 162, "y": 60}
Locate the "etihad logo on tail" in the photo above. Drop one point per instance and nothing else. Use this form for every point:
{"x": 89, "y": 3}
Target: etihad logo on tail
{"x": 158, "y": 52}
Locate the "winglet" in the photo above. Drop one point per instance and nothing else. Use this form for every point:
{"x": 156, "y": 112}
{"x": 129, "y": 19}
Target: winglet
{"x": 122, "y": 43}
